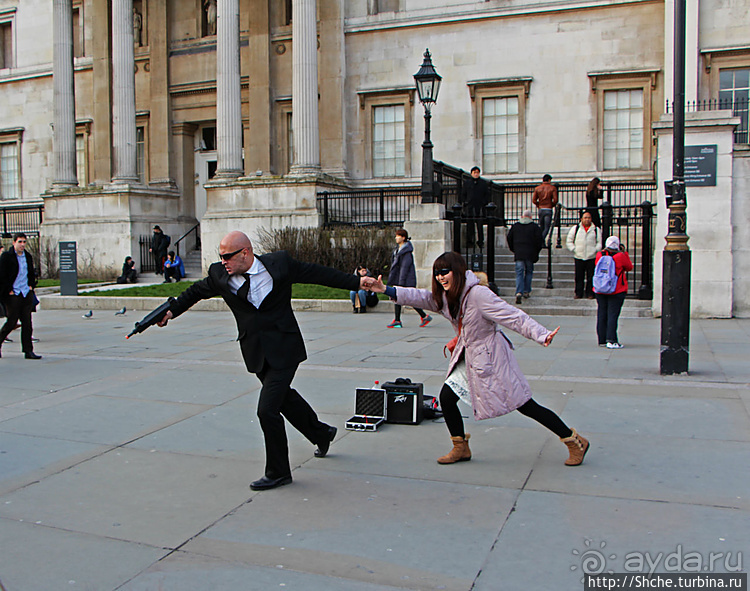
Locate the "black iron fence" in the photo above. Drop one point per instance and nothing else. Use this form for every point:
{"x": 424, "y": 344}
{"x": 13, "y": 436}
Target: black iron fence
{"x": 391, "y": 206}
{"x": 634, "y": 225}
{"x": 26, "y": 218}
{"x": 367, "y": 207}
{"x": 147, "y": 260}
{"x": 740, "y": 107}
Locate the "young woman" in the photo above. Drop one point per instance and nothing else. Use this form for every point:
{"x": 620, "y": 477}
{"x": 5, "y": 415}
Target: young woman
{"x": 483, "y": 370}
{"x": 593, "y": 194}
{"x": 609, "y": 305}
{"x": 403, "y": 274}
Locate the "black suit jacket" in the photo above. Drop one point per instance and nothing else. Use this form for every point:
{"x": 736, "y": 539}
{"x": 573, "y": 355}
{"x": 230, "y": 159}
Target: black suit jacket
{"x": 269, "y": 333}
{"x": 9, "y": 272}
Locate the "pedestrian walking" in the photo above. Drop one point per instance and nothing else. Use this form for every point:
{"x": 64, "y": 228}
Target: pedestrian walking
{"x": 526, "y": 242}
{"x": 611, "y": 291}
{"x": 403, "y": 273}
{"x": 483, "y": 372}
{"x": 545, "y": 198}
{"x": 17, "y": 282}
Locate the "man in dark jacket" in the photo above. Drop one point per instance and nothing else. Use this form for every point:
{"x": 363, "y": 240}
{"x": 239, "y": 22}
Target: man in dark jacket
{"x": 17, "y": 282}
{"x": 475, "y": 194}
{"x": 258, "y": 291}
{"x": 159, "y": 245}
{"x": 526, "y": 241}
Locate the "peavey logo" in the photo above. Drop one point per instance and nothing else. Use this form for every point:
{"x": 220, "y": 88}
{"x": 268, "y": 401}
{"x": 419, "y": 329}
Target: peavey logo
{"x": 400, "y": 398}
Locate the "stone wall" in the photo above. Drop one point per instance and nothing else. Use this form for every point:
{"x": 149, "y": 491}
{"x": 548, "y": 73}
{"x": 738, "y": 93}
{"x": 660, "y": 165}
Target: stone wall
{"x": 711, "y": 217}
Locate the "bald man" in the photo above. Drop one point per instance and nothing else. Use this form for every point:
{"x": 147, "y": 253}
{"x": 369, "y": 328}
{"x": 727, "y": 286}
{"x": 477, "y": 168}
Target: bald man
{"x": 258, "y": 291}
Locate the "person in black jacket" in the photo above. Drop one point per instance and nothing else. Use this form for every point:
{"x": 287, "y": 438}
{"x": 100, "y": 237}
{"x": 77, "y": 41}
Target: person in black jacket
{"x": 475, "y": 194}
{"x": 129, "y": 274}
{"x": 159, "y": 246}
{"x": 17, "y": 282}
{"x": 526, "y": 241}
{"x": 258, "y": 291}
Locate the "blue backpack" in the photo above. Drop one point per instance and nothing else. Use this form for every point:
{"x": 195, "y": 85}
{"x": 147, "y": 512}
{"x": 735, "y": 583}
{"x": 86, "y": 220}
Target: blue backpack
{"x": 605, "y": 276}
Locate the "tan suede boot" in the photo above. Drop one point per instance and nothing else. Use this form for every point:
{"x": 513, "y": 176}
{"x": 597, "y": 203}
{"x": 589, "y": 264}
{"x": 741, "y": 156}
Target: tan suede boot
{"x": 460, "y": 451}
{"x": 577, "y": 446}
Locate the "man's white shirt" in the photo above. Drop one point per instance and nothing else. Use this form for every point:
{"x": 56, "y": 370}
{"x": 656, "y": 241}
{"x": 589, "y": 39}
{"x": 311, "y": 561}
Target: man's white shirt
{"x": 261, "y": 283}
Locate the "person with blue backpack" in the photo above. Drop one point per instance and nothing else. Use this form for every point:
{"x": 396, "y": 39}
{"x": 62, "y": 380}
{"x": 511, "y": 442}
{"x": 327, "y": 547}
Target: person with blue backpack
{"x": 610, "y": 288}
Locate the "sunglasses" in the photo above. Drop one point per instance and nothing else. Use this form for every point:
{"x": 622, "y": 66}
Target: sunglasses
{"x": 442, "y": 272}
{"x": 228, "y": 255}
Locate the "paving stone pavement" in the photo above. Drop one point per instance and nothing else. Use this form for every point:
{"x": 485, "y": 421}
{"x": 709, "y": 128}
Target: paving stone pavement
{"x": 125, "y": 464}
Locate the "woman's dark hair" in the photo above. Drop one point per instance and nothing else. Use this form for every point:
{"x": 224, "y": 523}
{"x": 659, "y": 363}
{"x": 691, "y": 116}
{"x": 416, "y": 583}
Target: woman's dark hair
{"x": 593, "y": 184}
{"x": 403, "y": 233}
{"x": 456, "y": 263}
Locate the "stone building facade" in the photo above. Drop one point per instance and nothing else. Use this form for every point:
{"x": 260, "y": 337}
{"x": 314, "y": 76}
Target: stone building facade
{"x": 234, "y": 113}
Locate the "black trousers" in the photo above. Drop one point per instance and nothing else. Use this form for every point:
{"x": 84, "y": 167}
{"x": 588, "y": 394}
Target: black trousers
{"x": 277, "y": 401}
{"x": 584, "y": 276}
{"x": 397, "y": 312}
{"x": 475, "y": 212}
{"x": 541, "y": 414}
{"x": 172, "y": 273}
{"x": 19, "y": 308}
{"x": 608, "y": 315}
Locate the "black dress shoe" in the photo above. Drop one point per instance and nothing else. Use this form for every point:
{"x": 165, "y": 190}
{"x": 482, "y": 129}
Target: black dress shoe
{"x": 32, "y": 355}
{"x": 324, "y": 445}
{"x": 267, "y": 483}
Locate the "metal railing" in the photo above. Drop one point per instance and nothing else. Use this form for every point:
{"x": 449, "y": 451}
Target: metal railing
{"x": 740, "y": 107}
{"x": 196, "y": 230}
{"x": 390, "y": 206}
{"x": 634, "y": 225}
{"x": 367, "y": 207}
{"x": 572, "y": 196}
{"x": 148, "y": 261}
{"x": 21, "y": 218}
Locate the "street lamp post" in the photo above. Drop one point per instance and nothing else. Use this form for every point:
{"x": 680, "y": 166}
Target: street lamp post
{"x": 675, "y": 317}
{"x": 428, "y": 86}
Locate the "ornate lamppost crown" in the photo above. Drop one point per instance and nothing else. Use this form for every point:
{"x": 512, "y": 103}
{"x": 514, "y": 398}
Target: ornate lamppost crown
{"x": 428, "y": 82}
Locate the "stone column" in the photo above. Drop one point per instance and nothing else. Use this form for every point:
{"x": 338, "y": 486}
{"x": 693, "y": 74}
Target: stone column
{"x": 258, "y": 70}
{"x": 228, "y": 98}
{"x": 160, "y": 167}
{"x": 332, "y": 98}
{"x": 123, "y": 93}
{"x": 305, "y": 88}
{"x": 64, "y": 95}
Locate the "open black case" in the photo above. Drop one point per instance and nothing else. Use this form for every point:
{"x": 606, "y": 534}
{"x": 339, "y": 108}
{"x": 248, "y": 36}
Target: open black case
{"x": 369, "y": 409}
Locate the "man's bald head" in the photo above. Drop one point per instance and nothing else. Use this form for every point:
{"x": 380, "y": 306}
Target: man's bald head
{"x": 238, "y": 245}
{"x": 235, "y": 240}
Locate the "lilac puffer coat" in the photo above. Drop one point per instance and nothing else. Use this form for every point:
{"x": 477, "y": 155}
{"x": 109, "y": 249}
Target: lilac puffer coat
{"x": 496, "y": 383}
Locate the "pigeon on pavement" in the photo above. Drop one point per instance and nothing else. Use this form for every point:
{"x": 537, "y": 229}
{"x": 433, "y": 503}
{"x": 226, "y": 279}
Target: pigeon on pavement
{"x": 88, "y": 314}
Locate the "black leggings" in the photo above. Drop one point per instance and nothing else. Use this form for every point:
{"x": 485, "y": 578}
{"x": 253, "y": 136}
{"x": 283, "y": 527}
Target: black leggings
{"x": 541, "y": 414}
{"x": 397, "y": 312}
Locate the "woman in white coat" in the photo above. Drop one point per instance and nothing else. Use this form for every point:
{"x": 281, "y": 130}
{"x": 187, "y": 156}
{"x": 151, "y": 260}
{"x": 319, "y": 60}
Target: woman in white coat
{"x": 483, "y": 370}
{"x": 584, "y": 241}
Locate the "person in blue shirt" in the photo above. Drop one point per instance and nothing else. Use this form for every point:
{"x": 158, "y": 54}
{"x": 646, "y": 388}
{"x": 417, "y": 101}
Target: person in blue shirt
{"x": 173, "y": 267}
{"x": 17, "y": 282}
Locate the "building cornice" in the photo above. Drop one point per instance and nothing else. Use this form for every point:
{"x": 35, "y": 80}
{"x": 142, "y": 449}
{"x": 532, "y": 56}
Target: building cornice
{"x": 443, "y": 15}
